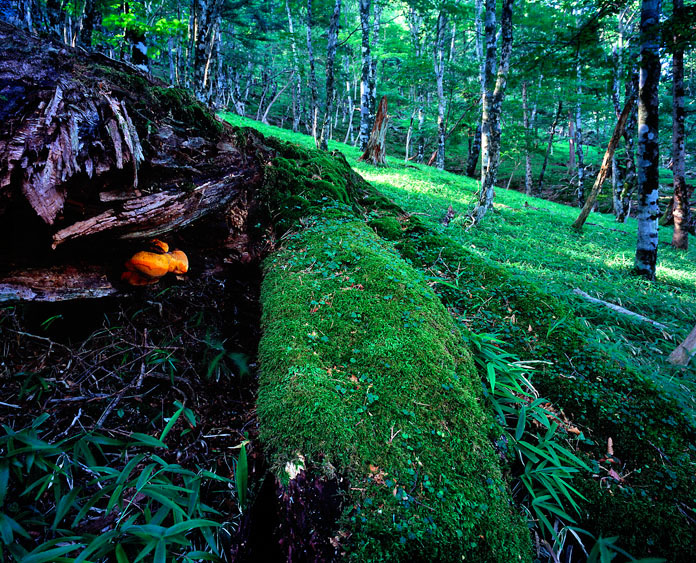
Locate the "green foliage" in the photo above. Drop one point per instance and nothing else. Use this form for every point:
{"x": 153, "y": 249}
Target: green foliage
{"x": 89, "y": 504}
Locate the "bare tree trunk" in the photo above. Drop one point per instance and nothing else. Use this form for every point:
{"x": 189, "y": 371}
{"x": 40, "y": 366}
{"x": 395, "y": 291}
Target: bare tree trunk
{"x": 439, "y": 63}
{"x": 474, "y": 153}
{"x": 550, "y": 144}
{"x": 630, "y": 179}
{"x": 680, "y": 238}
{"x": 330, "y": 56}
{"x": 365, "y": 79}
{"x": 527, "y": 155}
{"x": 578, "y": 141}
{"x": 375, "y": 153}
{"x": 407, "y": 151}
{"x": 475, "y": 146}
{"x": 492, "y": 103}
{"x": 606, "y": 163}
{"x": 206, "y": 14}
{"x": 571, "y": 143}
{"x": 312, "y": 75}
{"x": 351, "y": 103}
{"x": 296, "y": 68}
{"x": 682, "y": 354}
{"x": 376, "y": 22}
{"x": 648, "y": 147}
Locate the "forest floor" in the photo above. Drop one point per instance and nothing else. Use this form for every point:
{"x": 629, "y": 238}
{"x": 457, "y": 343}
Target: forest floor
{"x": 532, "y": 238}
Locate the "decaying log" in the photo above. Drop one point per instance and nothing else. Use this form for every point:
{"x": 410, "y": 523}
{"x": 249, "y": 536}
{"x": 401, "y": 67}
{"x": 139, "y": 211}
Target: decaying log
{"x": 59, "y": 283}
{"x": 682, "y": 354}
{"x": 619, "y": 309}
{"x": 88, "y": 146}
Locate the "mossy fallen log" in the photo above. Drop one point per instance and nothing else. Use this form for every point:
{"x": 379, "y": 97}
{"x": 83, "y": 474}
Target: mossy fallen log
{"x": 365, "y": 378}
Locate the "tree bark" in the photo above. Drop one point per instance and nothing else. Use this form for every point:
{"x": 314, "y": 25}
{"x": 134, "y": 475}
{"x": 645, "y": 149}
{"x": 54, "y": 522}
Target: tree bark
{"x": 550, "y": 144}
{"x": 439, "y": 64}
{"x": 330, "y": 57}
{"x": 314, "y": 92}
{"x": 474, "y": 153}
{"x": 296, "y": 68}
{"x": 630, "y": 179}
{"x": 527, "y": 155}
{"x": 606, "y": 164}
{"x": 682, "y": 354}
{"x": 680, "y": 238}
{"x": 206, "y": 14}
{"x": 648, "y": 148}
{"x": 578, "y": 141}
{"x": 364, "y": 134}
{"x": 375, "y": 153}
{"x": 492, "y": 103}
{"x": 372, "y": 83}
{"x": 571, "y": 143}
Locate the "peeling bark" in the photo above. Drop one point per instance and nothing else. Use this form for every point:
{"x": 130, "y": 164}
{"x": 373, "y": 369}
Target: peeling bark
{"x": 376, "y": 153}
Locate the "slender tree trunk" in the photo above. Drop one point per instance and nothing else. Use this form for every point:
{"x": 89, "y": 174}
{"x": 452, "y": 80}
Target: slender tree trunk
{"x": 474, "y": 153}
{"x": 475, "y": 147}
{"x": 571, "y": 143}
{"x": 492, "y": 103}
{"x": 578, "y": 141}
{"x": 296, "y": 67}
{"x": 408, "y": 136}
{"x": 84, "y": 38}
{"x": 527, "y": 155}
{"x": 550, "y": 144}
{"x": 630, "y": 179}
{"x": 312, "y": 75}
{"x": 648, "y": 148}
{"x": 206, "y": 14}
{"x": 365, "y": 79}
{"x": 372, "y": 92}
{"x": 680, "y": 238}
{"x": 606, "y": 163}
{"x": 439, "y": 63}
{"x": 330, "y": 57}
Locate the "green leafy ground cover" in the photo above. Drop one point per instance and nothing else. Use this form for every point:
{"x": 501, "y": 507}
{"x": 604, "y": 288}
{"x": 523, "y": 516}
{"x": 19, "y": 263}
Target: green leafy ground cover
{"x": 514, "y": 277}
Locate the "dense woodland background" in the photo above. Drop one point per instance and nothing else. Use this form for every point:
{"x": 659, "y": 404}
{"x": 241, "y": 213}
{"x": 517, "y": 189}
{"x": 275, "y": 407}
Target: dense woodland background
{"x": 585, "y": 417}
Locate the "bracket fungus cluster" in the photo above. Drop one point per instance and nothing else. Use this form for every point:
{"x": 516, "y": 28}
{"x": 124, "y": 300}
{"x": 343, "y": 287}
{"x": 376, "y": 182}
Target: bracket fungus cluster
{"x": 147, "y": 267}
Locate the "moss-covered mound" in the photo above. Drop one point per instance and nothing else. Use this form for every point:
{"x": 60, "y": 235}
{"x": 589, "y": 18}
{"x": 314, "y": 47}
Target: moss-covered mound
{"x": 365, "y": 376}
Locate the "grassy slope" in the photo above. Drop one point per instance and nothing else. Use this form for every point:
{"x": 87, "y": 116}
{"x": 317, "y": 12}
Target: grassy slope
{"x": 592, "y": 373}
{"x": 537, "y": 243}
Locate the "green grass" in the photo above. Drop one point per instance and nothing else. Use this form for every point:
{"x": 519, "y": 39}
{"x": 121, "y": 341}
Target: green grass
{"x": 514, "y": 276}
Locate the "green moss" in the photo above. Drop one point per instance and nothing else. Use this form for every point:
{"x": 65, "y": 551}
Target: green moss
{"x": 364, "y": 369}
{"x": 387, "y": 227}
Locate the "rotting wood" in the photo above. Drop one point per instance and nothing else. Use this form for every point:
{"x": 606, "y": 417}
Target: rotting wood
{"x": 60, "y": 283}
{"x": 619, "y": 309}
{"x": 95, "y": 147}
{"x": 375, "y": 152}
{"x": 682, "y": 354}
